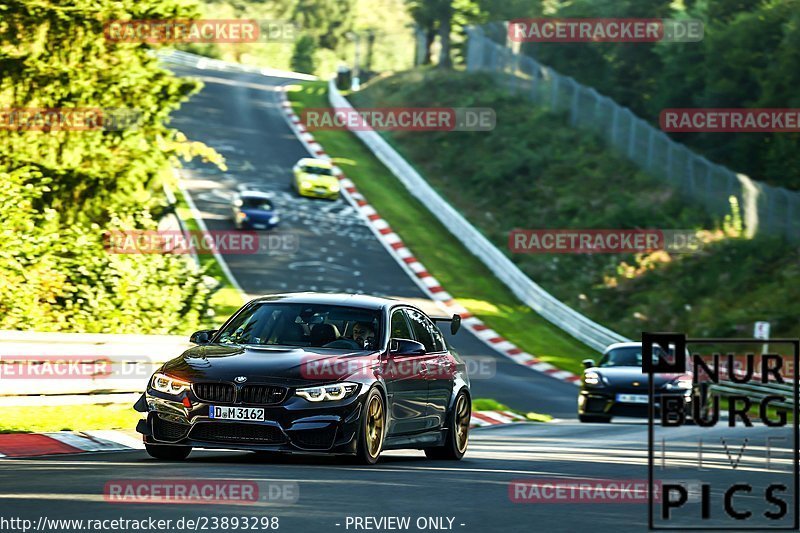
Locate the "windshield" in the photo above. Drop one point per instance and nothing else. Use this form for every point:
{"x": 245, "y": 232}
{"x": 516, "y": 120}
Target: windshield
{"x": 317, "y": 170}
{"x": 322, "y": 326}
{"x": 629, "y": 356}
{"x": 256, "y": 203}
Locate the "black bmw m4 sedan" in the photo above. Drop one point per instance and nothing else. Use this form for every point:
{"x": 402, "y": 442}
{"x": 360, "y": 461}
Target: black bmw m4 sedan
{"x": 313, "y": 373}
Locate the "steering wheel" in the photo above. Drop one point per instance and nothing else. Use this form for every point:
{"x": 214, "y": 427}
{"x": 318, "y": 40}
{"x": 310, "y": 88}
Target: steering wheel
{"x": 343, "y": 343}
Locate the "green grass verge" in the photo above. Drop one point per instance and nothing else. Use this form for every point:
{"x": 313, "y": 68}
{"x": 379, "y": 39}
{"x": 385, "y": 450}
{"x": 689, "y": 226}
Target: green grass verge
{"x": 487, "y": 404}
{"x": 462, "y": 274}
{"x": 45, "y": 419}
{"x": 226, "y": 299}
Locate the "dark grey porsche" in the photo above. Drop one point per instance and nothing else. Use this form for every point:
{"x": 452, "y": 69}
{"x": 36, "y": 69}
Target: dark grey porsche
{"x": 313, "y": 373}
{"x": 616, "y": 386}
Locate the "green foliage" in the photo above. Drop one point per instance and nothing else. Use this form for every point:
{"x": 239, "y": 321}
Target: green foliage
{"x": 63, "y": 189}
{"x": 748, "y": 58}
{"x": 328, "y": 21}
{"x": 535, "y": 171}
{"x": 323, "y": 38}
{"x": 303, "y": 55}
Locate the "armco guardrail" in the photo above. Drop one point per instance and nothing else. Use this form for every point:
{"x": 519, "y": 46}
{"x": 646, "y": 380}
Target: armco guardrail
{"x": 757, "y": 391}
{"x": 33, "y": 363}
{"x": 178, "y": 57}
{"x": 566, "y": 318}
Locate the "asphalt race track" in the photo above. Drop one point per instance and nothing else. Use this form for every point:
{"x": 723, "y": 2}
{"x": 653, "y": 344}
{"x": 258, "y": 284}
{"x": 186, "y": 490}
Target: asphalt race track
{"x": 238, "y": 114}
{"x": 473, "y": 492}
{"x": 336, "y": 250}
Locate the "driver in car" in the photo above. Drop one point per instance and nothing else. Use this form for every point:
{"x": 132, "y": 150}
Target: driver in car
{"x": 364, "y": 335}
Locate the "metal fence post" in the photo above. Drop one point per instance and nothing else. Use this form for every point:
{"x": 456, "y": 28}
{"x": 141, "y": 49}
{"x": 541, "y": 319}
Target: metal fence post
{"x": 631, "y": 135}
{"x": 614, "y": 124}
{"x": 669, "y": 160}
{"x": 554, "y": 86}
{"x": 574, "y": 107}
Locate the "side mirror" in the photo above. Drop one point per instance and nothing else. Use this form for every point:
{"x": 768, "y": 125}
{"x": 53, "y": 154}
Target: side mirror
{"x": 588, "y": 363}
{"x": 405, "y": 347}
{"x": 455, "y": 324}
{"x": 202, "y": 336}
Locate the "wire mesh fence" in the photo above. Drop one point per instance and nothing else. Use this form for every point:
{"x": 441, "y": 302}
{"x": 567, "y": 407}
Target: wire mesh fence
{"x": 765, "y": 209}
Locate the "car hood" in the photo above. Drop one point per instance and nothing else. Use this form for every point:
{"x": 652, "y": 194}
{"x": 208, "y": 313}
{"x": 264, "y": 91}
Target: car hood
{"x": 259, "y": 213}
{"x": 319, "y": 179}
{"x": 289, "y": 366}
{"x": 626, "y": 376}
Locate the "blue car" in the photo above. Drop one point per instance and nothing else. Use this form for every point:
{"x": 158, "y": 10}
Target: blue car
{"x": 254, "y": 210}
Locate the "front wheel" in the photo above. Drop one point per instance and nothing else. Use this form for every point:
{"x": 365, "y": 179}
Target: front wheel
{"x": 373, "y": 429}
{"x": 457, "y": 434}
{"x": 168, "y": 453}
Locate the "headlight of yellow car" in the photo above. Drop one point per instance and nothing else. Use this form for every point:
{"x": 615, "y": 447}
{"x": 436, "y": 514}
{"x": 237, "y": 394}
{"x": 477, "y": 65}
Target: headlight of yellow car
{"x": 334, "y": 187}
{"x": 305, "y": 184}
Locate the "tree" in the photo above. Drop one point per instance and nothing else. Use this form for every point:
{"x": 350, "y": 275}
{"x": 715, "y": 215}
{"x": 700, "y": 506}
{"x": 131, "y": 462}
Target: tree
{"x": 328, "y": 21}
{"x": 303, "y": 54}
{"x": 64, "y": 189}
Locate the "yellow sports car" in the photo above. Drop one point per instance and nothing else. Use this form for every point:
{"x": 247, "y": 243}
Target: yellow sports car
{"x": 314, "y": 178}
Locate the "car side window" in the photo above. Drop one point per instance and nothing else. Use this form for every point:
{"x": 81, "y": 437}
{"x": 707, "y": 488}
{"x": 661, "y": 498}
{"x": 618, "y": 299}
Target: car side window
{"x": 438, "y": 341}
{"x": 423, "y": 330}
{"x": 400, "y": 329}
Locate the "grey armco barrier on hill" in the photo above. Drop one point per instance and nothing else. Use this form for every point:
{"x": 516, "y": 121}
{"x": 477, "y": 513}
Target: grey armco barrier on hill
{"x": 766, "y": 209}
{"x": 566, "y": 318}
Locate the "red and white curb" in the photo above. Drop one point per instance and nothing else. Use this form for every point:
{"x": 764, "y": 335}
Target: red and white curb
{"x": 65, "y": 442}
{"x": 416, "y": 270}
{"x": 492, "y": 418}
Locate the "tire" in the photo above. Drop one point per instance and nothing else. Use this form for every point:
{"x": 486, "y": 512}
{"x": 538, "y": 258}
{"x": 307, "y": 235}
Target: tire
{"x": 594, "y": 419}
{"x": 457, "y": 432}
{"x": 168, "y": 453}
{"x": 372, "y": 429}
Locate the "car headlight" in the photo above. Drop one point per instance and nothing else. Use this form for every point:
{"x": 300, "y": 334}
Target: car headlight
{"x": 274, "y": 219}
{"x": 593, "y": 379}
{"x": 681, "y": 383}
{"x": 241, "y": 216}
{"x": 323, "y": 393}
{"x": 164, "y": 383}
{"x": 334, "y": 187}
{"x": 305, "y": 184}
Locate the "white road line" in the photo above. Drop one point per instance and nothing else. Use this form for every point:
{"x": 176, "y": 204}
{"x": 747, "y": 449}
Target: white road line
{"x": 200, "y": 222}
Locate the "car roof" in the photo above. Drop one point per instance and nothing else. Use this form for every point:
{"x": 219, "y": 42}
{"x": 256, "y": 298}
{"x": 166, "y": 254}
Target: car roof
{"x": 350, "y": 300}
{"x": 255, "y": 194}
{"x": 622, "y": 345}
{"x": 313, "y": 162}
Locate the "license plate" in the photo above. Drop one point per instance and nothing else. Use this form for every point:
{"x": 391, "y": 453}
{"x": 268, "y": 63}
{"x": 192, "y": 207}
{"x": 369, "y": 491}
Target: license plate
{"x": 632, "y": 398}
{"x": 252, "y": 414}
{"x": 259, "y": 226}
